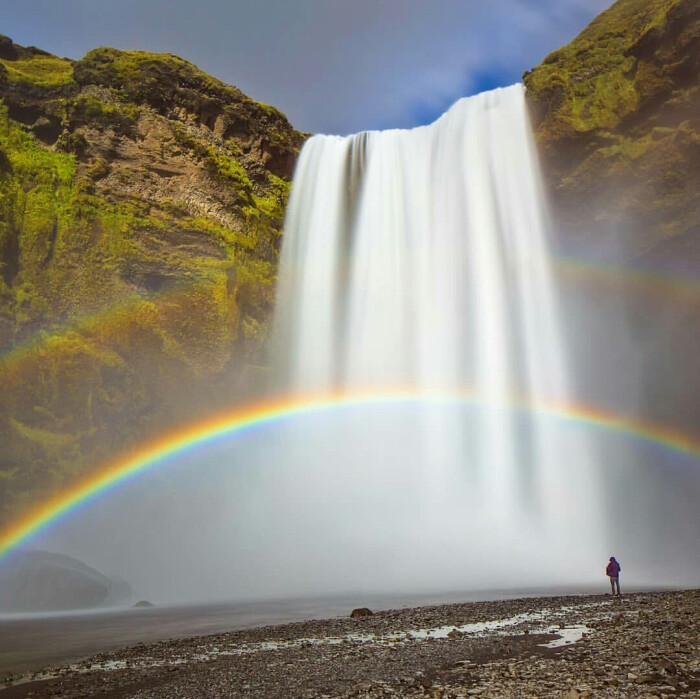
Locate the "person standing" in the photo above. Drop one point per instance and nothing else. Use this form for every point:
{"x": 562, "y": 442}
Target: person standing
{"x": 613, "y": 572}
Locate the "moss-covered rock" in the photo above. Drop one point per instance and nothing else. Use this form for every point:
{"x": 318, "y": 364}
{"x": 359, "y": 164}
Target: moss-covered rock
{"x": 33, "y": 67}
{"x": 170, "y": 84}
{"x": 617, "y": 114}
{"x": 141, "y": 204}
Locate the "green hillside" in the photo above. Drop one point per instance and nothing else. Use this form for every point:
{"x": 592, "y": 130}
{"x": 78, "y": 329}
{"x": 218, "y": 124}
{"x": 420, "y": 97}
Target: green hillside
{"x": 617, "y": 114}
{"x": 141, "y": 207}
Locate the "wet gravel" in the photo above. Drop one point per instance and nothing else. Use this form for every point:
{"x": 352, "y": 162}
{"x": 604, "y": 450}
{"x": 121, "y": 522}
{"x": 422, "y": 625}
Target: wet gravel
{"x": 640, "y": 645}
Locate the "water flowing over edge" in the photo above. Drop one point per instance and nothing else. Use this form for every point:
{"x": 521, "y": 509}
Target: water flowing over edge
{"x": 419, "y": 258}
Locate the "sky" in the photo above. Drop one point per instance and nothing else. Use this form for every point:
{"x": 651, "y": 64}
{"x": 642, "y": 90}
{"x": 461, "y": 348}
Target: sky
{"x": 332, "y": 66}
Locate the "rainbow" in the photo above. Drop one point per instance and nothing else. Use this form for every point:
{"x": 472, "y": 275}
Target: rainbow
{"x": 241, "y": 420}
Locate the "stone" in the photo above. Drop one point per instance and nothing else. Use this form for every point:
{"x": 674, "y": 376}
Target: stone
{"x": 361, "y": 612}
{"x": 646, "y": 679}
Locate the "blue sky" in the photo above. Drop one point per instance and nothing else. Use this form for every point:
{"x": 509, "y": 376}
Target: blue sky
{"x": 333, "y": 66}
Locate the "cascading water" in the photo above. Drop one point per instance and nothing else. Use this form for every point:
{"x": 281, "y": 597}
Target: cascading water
{"x": 418, "y": 260}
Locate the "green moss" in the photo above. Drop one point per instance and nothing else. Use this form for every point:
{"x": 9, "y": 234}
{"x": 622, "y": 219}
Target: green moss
{"x": 616, "y": 116}
{"x": 86, "y": 109}
{"x": 45, "y": 71}
{"x": 228, "y": 170}
{"x": 144, "y": 76}
{"x": 188, "y": 142}
{"x": 29, "y": 160}
{"x": 271, "y": 111}
{"x": 593, "y": 83}
{"x": 74, "y": 246}
{"x": 223, "y": 166}
{"x": 265, "y": 216}
{"x": 165, "y": 81}
{"x": 233, "y": 242}
{"x": 120, "y": 316}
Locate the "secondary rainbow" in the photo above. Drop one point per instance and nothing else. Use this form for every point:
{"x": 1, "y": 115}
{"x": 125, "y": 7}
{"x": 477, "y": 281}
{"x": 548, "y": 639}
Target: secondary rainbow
{"x": 663, "y": 284}
{"x": 260, "y": 415}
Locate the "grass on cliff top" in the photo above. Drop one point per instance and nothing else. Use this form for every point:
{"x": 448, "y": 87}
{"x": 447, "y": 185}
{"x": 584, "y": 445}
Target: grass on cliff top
{"x": 130, "y": 65}
{"x": 45, "y": 71}
{"x": 136, "y": 71}
{"x": 594, "y": 72}
{"x": 143, "y": 73}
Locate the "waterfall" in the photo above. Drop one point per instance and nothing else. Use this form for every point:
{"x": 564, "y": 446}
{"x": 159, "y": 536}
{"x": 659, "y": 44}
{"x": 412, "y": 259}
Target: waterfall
{"x": 418, "y": 260}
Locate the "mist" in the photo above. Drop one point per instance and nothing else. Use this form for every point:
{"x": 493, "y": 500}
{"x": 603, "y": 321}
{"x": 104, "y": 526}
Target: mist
{"x": 236, "y": 524}
{"x": 453, "y": 496}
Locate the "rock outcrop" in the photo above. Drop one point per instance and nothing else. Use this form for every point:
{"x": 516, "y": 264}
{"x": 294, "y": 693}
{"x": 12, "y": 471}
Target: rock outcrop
{"x": 141, "y": 204}
{"x": 617, "y": 114}
{"x": 617, "y": 117}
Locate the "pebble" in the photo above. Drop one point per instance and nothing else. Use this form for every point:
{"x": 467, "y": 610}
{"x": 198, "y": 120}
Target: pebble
{"x": 625, "y": 653}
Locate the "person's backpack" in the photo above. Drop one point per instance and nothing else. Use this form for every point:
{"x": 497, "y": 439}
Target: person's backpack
{"x": 613, "y": 569}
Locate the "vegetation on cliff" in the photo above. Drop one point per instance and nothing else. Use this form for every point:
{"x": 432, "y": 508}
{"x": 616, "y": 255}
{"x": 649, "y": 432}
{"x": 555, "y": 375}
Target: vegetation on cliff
{"x": 141, "y": 204}
{"x": 617, "y": 114}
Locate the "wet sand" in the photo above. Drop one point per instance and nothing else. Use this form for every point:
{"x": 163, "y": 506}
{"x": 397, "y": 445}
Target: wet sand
{"x": 30, "y": 642}
{"x": 642, "y": 645}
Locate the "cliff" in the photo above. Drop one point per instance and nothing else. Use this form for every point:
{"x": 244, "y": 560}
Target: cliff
{"x": 617, "y": 117}
{"x": 141, "y": 203}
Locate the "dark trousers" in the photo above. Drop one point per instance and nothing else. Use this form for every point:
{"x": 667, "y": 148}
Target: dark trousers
{"x": 615, "y": 582}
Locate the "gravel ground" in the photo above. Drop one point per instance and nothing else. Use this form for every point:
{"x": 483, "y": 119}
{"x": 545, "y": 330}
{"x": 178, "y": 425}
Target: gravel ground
{"x": 639, "y": 645}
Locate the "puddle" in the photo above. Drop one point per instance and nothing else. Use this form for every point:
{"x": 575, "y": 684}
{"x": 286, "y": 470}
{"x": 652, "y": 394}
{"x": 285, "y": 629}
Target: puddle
{"x": 568, "y": 634}
{"x": 536, "y": 622}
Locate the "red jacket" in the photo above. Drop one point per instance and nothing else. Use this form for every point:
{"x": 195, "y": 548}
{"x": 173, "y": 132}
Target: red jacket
{"x": 613, "y": 569}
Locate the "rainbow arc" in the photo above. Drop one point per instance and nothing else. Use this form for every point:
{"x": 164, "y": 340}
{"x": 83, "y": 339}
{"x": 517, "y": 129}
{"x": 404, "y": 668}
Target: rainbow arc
{"x": 165, "y": 449}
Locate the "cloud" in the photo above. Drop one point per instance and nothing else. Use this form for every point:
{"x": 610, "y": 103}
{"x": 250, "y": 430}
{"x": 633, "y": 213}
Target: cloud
{"x": 332, "y": 66}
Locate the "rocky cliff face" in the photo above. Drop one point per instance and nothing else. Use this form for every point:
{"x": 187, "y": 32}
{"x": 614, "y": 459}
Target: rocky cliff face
{"x": 141, "y": 204}
{"x": 617, "y": 114}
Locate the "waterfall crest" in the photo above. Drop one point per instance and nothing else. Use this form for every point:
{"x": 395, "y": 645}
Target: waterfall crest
{"x": 419, "y": 260}
{"x": 402, "y": 247}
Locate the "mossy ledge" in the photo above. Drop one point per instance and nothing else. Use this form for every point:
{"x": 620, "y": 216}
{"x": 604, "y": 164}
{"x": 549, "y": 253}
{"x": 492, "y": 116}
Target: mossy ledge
{"x": 617, "y": 116}
{"x": 141, "y": 205}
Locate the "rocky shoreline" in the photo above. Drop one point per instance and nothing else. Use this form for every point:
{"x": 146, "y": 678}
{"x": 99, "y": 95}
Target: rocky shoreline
{"x": 639, "y": 645}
